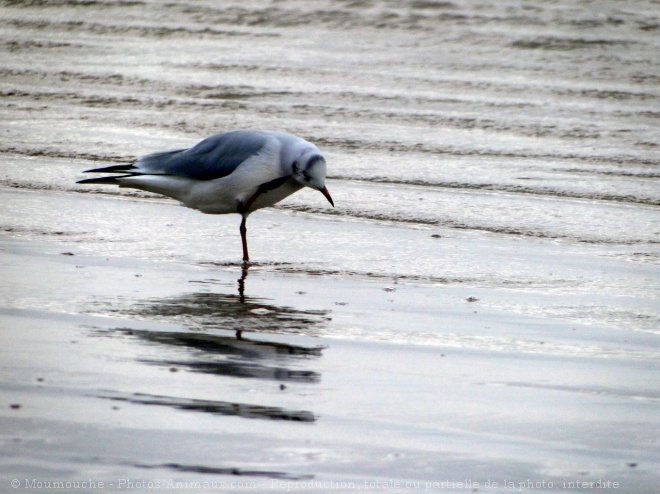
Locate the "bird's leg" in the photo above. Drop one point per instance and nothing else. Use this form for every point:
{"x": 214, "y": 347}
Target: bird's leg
{"x": 243, "y": 231}
{"x": 243, "y": 208}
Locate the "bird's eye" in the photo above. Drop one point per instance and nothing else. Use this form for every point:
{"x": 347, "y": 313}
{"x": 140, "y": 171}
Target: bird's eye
{"x": 306, "y": 176}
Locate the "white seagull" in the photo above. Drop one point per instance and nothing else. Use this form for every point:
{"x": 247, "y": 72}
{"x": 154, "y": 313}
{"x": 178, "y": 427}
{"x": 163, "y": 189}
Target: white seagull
{"x": 232, "y": 172}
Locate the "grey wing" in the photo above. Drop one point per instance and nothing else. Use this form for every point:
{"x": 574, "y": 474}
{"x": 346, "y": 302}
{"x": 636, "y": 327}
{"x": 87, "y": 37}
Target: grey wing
{"x": 214, "y": 157}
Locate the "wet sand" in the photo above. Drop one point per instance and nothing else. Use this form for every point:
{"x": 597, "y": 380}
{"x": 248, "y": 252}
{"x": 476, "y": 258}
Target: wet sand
{"x": 128, "y": 371}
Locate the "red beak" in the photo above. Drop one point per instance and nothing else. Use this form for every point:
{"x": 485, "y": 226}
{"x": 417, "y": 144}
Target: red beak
{"x": 325, "y": 192}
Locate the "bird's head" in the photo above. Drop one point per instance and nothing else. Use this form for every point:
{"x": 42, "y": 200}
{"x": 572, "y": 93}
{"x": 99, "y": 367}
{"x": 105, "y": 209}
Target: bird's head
{"x": 309, "y": 170}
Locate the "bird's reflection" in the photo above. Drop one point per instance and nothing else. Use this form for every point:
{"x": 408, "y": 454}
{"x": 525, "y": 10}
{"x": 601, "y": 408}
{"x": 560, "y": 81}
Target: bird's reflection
{"x": 231, "y": 357}
{"x": 212, "y": 342}
{"x": 241, "y": 283}
{"x": 203, "y": 310}
{"x": 214, "y": 407}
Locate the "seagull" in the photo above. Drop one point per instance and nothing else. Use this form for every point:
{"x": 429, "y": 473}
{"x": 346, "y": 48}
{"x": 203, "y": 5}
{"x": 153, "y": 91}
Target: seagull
{"x": 238, "y": 171}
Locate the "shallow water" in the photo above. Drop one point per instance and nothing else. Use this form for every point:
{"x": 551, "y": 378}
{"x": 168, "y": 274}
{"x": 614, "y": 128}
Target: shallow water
{"x": 488, "y": 160}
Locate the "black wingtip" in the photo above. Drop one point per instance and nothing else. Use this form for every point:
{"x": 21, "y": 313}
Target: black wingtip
{"x": 112, "y": 169}
{"x": 101, "y": 180}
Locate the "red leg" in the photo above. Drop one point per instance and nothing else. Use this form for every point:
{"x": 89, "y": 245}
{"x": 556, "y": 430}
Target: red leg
{"x": 243, "y": 231}
{"x": 244, "y": 208}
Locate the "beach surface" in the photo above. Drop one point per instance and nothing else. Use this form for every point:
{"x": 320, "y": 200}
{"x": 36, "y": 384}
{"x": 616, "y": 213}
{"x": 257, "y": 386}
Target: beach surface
{"x": 128, "y": 371}
{"x": 479, "y": 313}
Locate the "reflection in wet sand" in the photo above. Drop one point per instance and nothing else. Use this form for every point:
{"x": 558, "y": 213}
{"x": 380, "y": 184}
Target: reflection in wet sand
{"x": 206, "y": 310}
{"x": 223, "y": 355}
{"x": 224, "y": 311}
{"x": 225, "y": 471}
{"x": 233, "y": 357}
{"x": 240, "y": 313}
{"x": 244, "y": 410}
